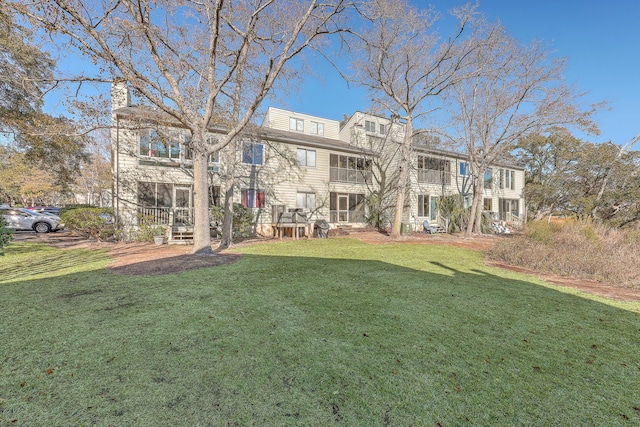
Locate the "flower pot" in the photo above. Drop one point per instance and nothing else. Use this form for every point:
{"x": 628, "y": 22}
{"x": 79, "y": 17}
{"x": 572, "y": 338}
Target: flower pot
{"x": 158, "y": 239}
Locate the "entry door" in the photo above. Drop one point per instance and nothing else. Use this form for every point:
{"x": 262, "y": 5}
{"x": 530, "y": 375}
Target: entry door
{"x": 433, "y": 208}
{"x": 343, "y": 208}
{"x": 182, "y": 208}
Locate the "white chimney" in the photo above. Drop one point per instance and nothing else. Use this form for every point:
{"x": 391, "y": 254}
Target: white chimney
{"x": 120, "y": 96}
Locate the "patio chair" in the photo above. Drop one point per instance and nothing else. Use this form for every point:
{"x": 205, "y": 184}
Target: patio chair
{"x": 428, "y": 228}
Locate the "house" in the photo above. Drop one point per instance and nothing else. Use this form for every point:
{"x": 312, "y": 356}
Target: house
{"x": 293, "y": 161}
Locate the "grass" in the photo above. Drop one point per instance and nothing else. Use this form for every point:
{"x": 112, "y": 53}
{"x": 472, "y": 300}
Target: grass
{"x": 321, "y": 332}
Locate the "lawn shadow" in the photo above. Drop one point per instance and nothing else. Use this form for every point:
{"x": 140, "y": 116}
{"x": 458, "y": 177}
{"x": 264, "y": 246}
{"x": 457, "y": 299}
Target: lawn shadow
{"x": 365, "y": 342}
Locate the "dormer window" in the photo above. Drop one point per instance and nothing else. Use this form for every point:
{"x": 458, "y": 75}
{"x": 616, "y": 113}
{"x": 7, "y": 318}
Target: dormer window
{"x": 296, "y": 124}
{"x": 317, "y": 128}
{"x": 369, "y": 126}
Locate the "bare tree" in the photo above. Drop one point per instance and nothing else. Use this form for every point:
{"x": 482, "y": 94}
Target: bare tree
{"x": 407, "y": 67}
{"x": 517, "y": 90}
{"x": 95, "y": 178}
{"x": 201, "y": 63}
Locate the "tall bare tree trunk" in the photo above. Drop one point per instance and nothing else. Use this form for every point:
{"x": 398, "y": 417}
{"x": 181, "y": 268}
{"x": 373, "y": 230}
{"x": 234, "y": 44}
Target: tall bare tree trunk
{"x": 201, "y": 234}
{"x": 475, "y": 204}
{"x": 403, "y": 176}
{"x": 226, "y": 240}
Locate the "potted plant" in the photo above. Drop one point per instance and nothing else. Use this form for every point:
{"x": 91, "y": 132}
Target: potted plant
{"x": 158, "y": 235}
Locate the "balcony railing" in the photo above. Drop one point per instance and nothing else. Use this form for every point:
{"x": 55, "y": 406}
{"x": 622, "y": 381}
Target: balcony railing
{"x": 429, "y": 176}
{"x": 349, "y": 175}
{"x": 164, "y": 216}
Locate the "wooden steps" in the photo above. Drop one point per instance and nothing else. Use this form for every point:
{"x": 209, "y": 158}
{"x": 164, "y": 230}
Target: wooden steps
{"x": 181, "y": 235}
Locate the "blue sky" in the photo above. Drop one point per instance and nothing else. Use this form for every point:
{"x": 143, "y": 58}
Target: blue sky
{"x": 599, "y": 38}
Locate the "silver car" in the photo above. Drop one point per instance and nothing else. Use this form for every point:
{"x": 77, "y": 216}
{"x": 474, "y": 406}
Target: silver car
{"x": 24, "y": 219}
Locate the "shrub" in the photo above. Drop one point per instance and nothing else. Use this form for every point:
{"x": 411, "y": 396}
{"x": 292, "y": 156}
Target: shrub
{"x": 6, "y": 234}
{"x": 452, "y": 208}
{"x": 148, "y": 229}
{"x": 93, "y": 223}
{"x": 69, "y": 208}
{"x": 540, "y": 232}
{"x": 574, "y": 248}
{"x": 242, "y": 219}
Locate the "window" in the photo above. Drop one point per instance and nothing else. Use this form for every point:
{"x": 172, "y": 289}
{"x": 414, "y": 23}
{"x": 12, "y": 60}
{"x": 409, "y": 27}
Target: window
{"x": 155, "y": 194}
{"x": 214, "y": 195}
{"x": 464, "y": 168}
{"x": 296, "y": 124}
{"x": 252, "y": 153}
{"x": 306, "y": 157}
{"x": 487, "y": 205}
{"x": 383, "y": 129}
{"x": 423, "y": 205}
{"x": 507, "y": 179}
{"x": 153, "y": 144}
{"x": 348, "y": 169}
{"x": 346, "y": 207}
{"x": 369, "y": 126}
{"x": 252, "y": 198}
{"x": 317, "y": 128}
{"x": 488, "y": 178}
{"x": 432, "y": 170}
{"x": 306, "y": 200}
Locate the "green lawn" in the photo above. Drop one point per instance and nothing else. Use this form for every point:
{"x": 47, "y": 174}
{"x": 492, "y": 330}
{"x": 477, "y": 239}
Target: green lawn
{"x": 308, "y": 333}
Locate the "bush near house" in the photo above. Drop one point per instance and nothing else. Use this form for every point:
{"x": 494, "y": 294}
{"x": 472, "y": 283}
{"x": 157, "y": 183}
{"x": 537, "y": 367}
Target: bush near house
{"x": 93, "y": 223}
{"x": 243, "y": 220}
{"x": 6, "y": 235}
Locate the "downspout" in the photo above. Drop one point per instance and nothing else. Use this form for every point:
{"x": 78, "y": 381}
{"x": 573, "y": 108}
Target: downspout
{"x": 116, "y": 159}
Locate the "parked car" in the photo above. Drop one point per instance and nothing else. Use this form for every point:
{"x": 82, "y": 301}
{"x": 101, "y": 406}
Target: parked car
{"x": 24, "y": 219}
{"x": 48, "y": 214}
{"x": 50, "y": 209}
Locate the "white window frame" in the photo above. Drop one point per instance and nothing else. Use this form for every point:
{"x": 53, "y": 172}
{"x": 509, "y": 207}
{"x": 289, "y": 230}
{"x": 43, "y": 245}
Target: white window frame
{"x": 306, "y": 200}
{"x": 317, "y": 128}
{"x": 253, "y": 146}
{"x": 369, "y": 126}
{"x": 296, "y": 125}
{"x": 305, "y": 157}
{"x": 465, "y": 166}
{"x": 424, "y": 202}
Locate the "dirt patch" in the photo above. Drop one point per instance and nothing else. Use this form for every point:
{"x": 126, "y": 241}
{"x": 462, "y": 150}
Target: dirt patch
{"x": 137, "y": 258}
{"x": 477, "y": 243}
{"x": 148, "y": 259}
{"x": 593, "y": 287}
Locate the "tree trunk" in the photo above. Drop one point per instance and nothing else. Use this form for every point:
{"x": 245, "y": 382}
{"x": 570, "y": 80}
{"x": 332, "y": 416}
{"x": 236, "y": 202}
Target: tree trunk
{"x": 201, "y": 234}
{"x": 226, "y": 240}
{"x": 475, "y": 204}
{"x": 403, "y": 175}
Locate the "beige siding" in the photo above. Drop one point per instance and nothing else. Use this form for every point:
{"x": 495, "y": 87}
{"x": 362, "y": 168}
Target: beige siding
{"x": 282, "y": 179}
{"x": 280, "y": 119}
